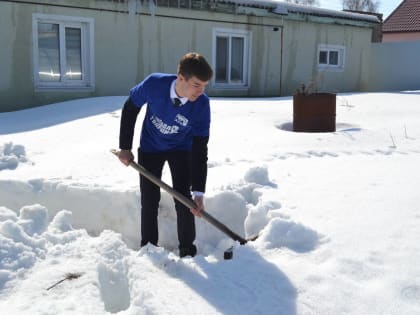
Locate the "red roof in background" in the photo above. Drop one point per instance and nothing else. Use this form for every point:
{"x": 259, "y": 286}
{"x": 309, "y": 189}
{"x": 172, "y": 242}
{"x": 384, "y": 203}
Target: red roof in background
{"x": 405, "y": 18}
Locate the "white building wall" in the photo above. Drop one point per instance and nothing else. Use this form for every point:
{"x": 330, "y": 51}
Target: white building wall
{"x": 300, "y": 58}
{"x": 394, "y": 66}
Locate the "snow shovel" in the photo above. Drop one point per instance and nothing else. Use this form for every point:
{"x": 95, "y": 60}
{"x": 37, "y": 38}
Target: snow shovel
{"x": 187, "y": 202}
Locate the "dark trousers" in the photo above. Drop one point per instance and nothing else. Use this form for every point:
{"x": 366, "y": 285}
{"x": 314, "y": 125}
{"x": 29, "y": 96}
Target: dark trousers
{"x": 180, "y": 166}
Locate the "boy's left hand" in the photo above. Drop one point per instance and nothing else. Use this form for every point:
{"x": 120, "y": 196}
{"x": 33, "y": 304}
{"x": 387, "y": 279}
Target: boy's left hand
{"x": 199, "y": 201}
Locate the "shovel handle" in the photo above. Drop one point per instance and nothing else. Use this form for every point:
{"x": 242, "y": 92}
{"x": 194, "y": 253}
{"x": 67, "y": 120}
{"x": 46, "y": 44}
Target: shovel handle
{"x": 184, "y": 200}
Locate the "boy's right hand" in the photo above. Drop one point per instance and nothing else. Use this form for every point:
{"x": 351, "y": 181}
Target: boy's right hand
{"x": 126, "y": 157}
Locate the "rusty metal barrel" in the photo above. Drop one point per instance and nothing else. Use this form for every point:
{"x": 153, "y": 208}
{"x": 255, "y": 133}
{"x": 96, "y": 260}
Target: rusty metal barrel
{"x": 314, "y": 112}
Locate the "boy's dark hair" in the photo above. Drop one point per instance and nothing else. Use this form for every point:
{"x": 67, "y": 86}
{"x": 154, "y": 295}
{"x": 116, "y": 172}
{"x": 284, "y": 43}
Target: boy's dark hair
{"x": 194, "y": 64}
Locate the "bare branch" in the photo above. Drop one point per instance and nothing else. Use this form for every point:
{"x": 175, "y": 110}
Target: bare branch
{"x": 68, "y": 276}
{"x": 361, "y": 5}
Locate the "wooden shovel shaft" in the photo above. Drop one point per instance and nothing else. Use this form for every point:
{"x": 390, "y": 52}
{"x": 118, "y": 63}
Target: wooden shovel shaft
{"x": 184, "y": 200}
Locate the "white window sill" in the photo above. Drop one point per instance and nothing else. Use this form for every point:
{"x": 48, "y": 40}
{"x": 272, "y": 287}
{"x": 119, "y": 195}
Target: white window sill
{"x": 230, "y": 87}
{"x": 64, "y": 88}
{"x": 330, "y": 68}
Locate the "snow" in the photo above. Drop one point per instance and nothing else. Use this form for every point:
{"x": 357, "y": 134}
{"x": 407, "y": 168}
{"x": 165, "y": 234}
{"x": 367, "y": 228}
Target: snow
{"x": 337, "y": 214}
{"x": 283, "y": 8}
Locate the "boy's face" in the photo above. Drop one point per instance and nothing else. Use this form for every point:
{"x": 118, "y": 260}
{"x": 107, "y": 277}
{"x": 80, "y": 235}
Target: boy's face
{"x": 191, "y": 88}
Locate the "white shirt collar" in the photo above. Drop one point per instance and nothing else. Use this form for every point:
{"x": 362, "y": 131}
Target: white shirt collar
{"x": 174, "y": 95}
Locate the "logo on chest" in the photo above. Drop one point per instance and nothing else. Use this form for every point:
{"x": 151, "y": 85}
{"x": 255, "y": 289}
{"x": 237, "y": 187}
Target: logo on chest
{"x": 182, "y": 120}
{"x": 169, "y": 129}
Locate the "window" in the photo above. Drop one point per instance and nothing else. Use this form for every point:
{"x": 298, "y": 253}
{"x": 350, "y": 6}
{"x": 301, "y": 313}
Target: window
{"x": 63, "y": 52}
{"x": 331, "y": 57}
{"x": 231, "y": 56}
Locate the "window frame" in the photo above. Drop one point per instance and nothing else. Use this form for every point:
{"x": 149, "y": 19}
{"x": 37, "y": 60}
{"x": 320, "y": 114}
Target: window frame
{"x": 86, "y": 25}
{"x": 341, "y": 52}
{"x": 246, "y": 69}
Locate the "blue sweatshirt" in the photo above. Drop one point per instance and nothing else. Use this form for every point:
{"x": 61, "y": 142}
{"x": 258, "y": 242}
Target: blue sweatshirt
{"x": 167, "y": 127}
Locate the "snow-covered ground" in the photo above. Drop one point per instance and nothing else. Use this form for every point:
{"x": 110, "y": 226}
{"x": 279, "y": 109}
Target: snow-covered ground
{"x": 338, "y": 214}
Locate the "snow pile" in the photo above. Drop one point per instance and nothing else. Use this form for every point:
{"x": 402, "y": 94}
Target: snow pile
{"x": 28, "y": 236}
{"x": 239, "y": 205}
{"x": 68, "y": 263}
{"x": 258, "y": 175}
{"x": 24, "y": 238}
{"x": 11, "y": 155}
{"x": 284, "y": 233}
